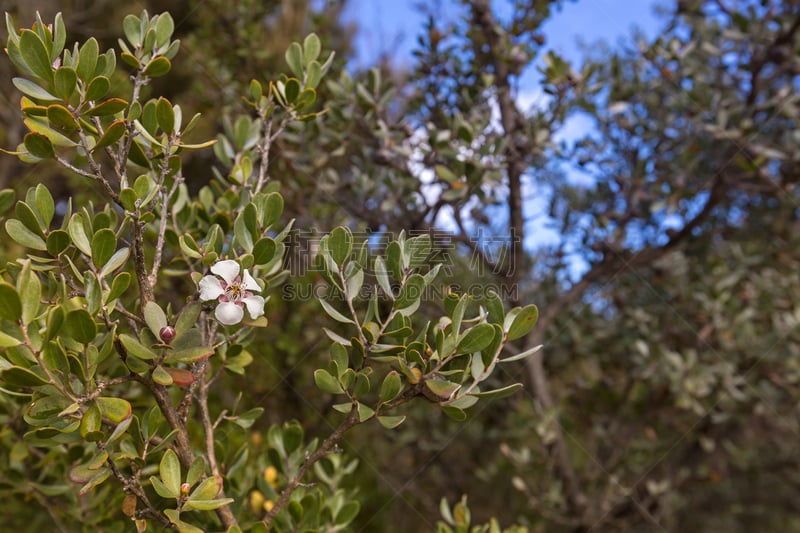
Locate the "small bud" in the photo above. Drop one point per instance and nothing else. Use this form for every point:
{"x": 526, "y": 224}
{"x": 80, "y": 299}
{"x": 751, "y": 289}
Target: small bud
{"x": 417, "y": 373}
{"x": 268, "y": 505}
{"x": 167, "y": 333}
{"x": 185, "y": 488}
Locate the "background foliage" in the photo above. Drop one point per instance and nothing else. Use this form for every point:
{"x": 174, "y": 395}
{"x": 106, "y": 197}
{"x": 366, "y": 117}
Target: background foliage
{"x": 665, "y": 396}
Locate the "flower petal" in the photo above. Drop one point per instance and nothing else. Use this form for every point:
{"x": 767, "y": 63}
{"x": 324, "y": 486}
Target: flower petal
{"x": 227, "y": 270}
{"x": 255, "y": 305}
{"x": 229, "y": 313}
{"x": 210, "y": 288}
{"x": 249, "y": 283}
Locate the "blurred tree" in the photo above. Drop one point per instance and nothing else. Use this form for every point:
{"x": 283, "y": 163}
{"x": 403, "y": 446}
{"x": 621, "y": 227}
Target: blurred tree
{"x": 666, "y": 392}
{"x": 670, "y": 361}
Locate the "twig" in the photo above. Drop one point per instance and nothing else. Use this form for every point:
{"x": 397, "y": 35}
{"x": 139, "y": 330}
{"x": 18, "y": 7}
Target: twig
{"x": 224, "y": 513}
{"x": 134, "y": 487}
{"x": 325, "y": 448}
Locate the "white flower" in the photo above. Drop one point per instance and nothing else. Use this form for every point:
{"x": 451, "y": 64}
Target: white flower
{"x": 232, "y": 291}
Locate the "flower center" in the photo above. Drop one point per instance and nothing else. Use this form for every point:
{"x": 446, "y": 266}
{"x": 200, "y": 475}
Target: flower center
{"x": 234, "y": 292}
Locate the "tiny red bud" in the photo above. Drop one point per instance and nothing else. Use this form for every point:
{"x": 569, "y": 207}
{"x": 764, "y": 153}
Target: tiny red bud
{"x": 167, "y": 333}
{"x": 185, "y": 488}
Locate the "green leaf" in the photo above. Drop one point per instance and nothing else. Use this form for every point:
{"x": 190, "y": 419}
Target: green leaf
{"x": 326, "y": 382}
{"x": 132, "y": 28}
{"x": 108, "y": 107}
{"x": 272, "y": 210}
{"x": 247, "y": 419}
{"x": 7, "y": 341}
{"x": 87, "y": 59}
{"x": 22, "y": 377}
{"x": 169, "y": 469}
{"x": 23, "y": 236}
{"x": 382, "y": 275}
{"x": 29, "y": 289}
{"x": 113, "y": 133}
{"x": 499, "y": 393}
{"x": 104, "y": 243}
{"x": 42, "y": 127}
{"x": 340, "y": 244}
{"x": 7, "y": 200}
{"x": 164, "y": 28}
{"x": 55, "y": 319}
{"x": 80, "y": 325}
{"x": 207, "y": 505}
{"x": 157, "y": 67}
{"x": 120, "y": 430}
{"x": 523, "y": 322}
{"x": 417, "y": 250}
{"x": 390, "y": 387}
{"x": 442, "y": 388}
{"x": 161, "y": 376}
{"x": 313, "y": 74}
{"x": 44, "y": 204}
{"x": 59, "y": 37}
{"x": 347, "y": 513}
{"x": 39, "y": 145}
{"x": 91, "y": 423}
{"x": 35, "y": 54}
{"x": 188, "y": 318}
{"x": 102, "y": 475}
{"x": 165, "y": 116}
{"x": 206, "y": 490}
{"x": 60, "y": 117}
{"x": 115, "y": 261}
{"x": 292, "y": 90}
{"x": 97, "y": 89}
{"x": 454, "y": 412}
{"x": 294, "y": 58}
{"x": 354, "y": 282}
{"x": 114, "y": 409}
{"x": 264, "y": 251}
{"x": 65, "y": 82}
{"x": 10, "y": 304}
{"x": 77, "y": 233}
{"x": 410, "y": 294}
{"x": 522, "y": 355}
{"x": 311, "y": 48}
{"x": 120, "y": 284}
{"x": 365, "y": 412}
{"x": 334, "y": 314}
{"x": 182, "y": 527}
{"x": 476, "y": 338}
{"x": 243, "y": 236}
{"x": 190, "y": 355}
{"x": 135, "y": 348}
{"x": 196, "y": 470}
{"x": 391, "y": 422}
{"x": 32, "y": 89}
{"x": 28, "y": 216}
{"x": 162, "y": 490}
{"x": 155, "y": 317}
{"x": 189, "y": 246}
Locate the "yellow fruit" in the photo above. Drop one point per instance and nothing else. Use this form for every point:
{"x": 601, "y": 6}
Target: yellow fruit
{"x": 256, "y": 501}
{"x": 271, "y": 475}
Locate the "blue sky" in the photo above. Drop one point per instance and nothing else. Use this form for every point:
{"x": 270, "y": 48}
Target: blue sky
{"x": 390, "y": 27}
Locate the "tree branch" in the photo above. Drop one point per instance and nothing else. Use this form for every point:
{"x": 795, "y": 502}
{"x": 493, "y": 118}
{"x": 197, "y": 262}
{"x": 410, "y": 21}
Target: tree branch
{"x": 325, "y": 448}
